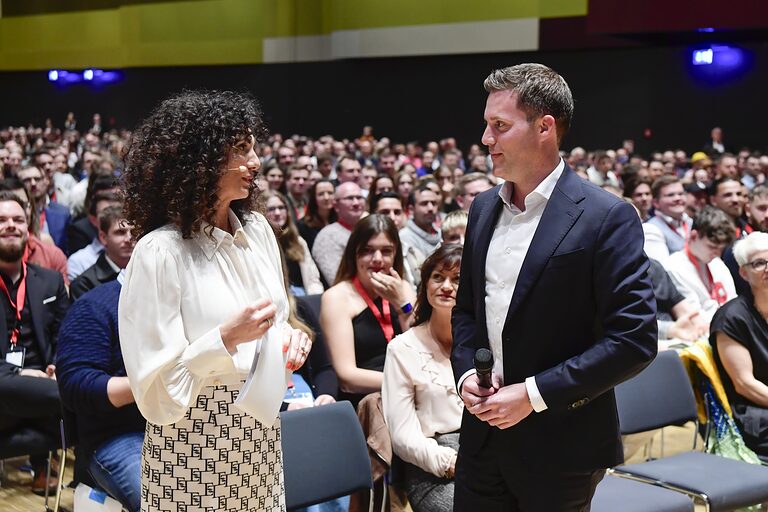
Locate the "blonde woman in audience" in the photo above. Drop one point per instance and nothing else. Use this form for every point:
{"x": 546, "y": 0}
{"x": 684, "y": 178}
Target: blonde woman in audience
{"x": 303, "y": 275}
{"x": 421, "y": 406}
{"x": 368, "y": 305}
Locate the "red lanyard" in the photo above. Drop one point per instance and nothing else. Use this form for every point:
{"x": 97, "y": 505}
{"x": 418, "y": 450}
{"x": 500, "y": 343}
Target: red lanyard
{"x": 683, "y": 224}
{"x": 18, "y": 305}
{"x": 385, "y": 320}
{"x": 42, "y": 219}
{"x": 747, "y": 229}
{"x": 716, "y": 289}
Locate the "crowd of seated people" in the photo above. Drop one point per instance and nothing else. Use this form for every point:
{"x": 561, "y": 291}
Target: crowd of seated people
{"x": 358, "y": 221}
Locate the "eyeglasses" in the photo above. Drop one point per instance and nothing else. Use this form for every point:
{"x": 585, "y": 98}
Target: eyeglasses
{"x": 757, "y": 265}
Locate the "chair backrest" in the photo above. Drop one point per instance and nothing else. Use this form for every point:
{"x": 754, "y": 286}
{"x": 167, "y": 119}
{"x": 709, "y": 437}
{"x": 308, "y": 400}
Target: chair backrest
{"x": 658, "y": 396}
{"x": 325, "y": 455}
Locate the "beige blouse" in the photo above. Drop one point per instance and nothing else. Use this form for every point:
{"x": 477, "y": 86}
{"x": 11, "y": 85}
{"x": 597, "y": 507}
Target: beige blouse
{"x": 175, "y": 296}
{"x": 420, "y": 400}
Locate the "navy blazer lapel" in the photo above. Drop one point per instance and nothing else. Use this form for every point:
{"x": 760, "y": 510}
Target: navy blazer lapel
{"x": 559, "y": 216}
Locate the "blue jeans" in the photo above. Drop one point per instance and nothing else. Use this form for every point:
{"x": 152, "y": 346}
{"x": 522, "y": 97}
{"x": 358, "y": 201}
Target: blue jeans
{"x": 116, "y": 467}
{"x": 337, "y": 505}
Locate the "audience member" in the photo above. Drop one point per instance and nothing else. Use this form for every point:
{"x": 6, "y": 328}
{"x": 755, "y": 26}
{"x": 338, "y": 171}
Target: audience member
{"x": 349, "y": 205}
{"x": 34, "y": 302}
{"x": 320, "y": 211}
{"x": 697, "y": 270}
{"x": 669, "y": 212}
{"x": 726, "y": 194}
{"x": 53, "y": 217}
{"x": 94, "y": 387}
{"x": 739, "y": 339}
{"x": 469, "y": 186}
{"x": 454, "y": 227}
{"x": 366, "y": 307}
{"x": 421, "y": 406}
{"x": 84, "y": 258}
{"x": 420, "y": 231}
{"x": 115, "y": 236}
{"x": 303, "y": 275}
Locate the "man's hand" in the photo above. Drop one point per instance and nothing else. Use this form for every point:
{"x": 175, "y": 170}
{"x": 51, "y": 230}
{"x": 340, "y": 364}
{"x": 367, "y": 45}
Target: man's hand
{"x": 29, "y": 372}
{"x": 506, "y": 407}
{"x": 473, "y": 394}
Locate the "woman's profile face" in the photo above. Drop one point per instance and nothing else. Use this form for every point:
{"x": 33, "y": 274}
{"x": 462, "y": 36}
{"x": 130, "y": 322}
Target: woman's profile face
{"x": 237, "y": 179}
{"x": 324, "y": 196}
{"x": 277, "y": 212}
{"x": 377, "y": 255}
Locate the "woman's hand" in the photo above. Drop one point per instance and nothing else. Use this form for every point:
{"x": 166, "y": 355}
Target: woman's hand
{"x": 250, "y": 324}
{"x": 297, "y": 345}
{"x": 391, "y": 286}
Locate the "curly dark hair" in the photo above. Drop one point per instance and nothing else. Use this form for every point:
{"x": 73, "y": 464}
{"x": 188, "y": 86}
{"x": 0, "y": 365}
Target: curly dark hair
{"x": 176, "y": 156}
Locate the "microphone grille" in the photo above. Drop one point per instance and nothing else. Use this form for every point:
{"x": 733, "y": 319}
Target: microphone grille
{"x": 483, "y": 359}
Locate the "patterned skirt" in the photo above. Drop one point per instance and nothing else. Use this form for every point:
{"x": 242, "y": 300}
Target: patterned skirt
{"x": 215, "y": 459}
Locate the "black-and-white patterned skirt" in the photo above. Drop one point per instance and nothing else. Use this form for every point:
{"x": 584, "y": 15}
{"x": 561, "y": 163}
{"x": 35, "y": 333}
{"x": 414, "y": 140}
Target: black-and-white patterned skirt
{"x": 215, "y": 459}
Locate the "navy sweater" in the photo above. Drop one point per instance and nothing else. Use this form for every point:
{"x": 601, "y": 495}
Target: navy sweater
{"x": 88, "y": 355}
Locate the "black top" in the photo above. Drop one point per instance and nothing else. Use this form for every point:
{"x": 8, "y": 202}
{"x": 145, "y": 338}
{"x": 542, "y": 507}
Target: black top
{"x": 307, "y": 233}
{"x": 26, "y": 339}
{"x": 667, "y": 294}
{"x": 370, "y": 343}
{"x": 294, "y": 273}
{"x": 740, "y": 320}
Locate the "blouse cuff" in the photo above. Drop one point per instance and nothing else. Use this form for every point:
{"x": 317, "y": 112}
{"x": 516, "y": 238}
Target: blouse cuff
{"x": 207, "y": 356}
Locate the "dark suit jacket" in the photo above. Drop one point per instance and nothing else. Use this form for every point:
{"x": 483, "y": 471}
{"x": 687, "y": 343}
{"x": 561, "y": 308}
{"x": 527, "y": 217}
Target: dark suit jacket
{"x": 57, "y": 217}
{"x": 48, "y": 302}
{"x": 99, "y": 273}
{"x": 80, "y": 233}
{"x": 582, "y": 319}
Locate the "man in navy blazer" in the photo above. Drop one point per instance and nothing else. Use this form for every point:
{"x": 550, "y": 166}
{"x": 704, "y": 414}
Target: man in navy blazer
{"x": 555, "y": 282}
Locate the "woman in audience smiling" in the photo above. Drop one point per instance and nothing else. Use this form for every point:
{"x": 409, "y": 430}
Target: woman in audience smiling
{"x": 367, "y": 306}
{"x": 421, "y": 406}
{"x": 739, "y": 337}
{"x": 303, "y": 276}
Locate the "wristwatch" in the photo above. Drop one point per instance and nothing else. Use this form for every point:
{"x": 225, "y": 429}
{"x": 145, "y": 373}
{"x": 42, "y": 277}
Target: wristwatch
{"x": 406, "y": 308}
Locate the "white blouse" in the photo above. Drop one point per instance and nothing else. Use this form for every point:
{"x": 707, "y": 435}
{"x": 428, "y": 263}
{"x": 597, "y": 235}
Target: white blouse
{"x": 419, "y": 398}
{"x": 176, "y": 294}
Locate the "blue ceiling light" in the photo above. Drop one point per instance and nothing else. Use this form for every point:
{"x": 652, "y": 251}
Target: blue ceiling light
{"x": 53, "y": 75}
{"x": 88, "y": 74}
{"x": 718, "y": 63}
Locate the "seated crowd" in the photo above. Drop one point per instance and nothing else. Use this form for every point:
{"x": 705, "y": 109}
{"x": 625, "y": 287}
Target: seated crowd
{"x": 377, "y": 229}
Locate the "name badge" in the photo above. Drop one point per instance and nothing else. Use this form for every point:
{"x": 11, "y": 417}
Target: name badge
{"x": 15, "y": 356}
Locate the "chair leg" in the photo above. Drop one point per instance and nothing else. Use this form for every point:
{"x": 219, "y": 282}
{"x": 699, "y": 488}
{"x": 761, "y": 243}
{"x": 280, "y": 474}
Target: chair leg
{"x": 48, "y": 479}
{"x": 60, "y": 486}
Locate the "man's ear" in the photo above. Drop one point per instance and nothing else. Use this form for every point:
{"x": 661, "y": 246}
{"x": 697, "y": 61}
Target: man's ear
{"x": 693, "y": 236}
{"x": 103, "y": 238}
{"x": 547, "y": 125}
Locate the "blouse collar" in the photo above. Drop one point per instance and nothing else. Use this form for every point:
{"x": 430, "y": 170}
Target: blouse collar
{"x": 210, "y": 244}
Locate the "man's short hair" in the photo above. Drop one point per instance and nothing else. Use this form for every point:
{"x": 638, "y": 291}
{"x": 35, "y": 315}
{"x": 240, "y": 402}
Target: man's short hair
{"x": 662, "y": 182}
{"x": 7, "y": 195}
{"x": 103, "y": 196}
{"x": 109, "y": 216}
{"x": 343, "y": 157}
{"x": 715, "y": 225}
{"x": 712, "y": 189}
{"x": 421, "y": 186}
{"x": 540, "y": 91}
{"x": 759, "y": 191}
{"x": 384, "y": 195}
{"x": 455, "y": 219}
{"x": 465, "y": 180}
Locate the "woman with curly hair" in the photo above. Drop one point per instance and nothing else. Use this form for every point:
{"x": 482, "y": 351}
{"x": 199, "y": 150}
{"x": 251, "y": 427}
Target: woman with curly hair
{"x": 203, "y": 297}
{"x": 303, "y": 275}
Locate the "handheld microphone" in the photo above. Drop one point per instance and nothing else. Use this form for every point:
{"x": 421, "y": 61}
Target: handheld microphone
{"x": 483, "y": 367}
